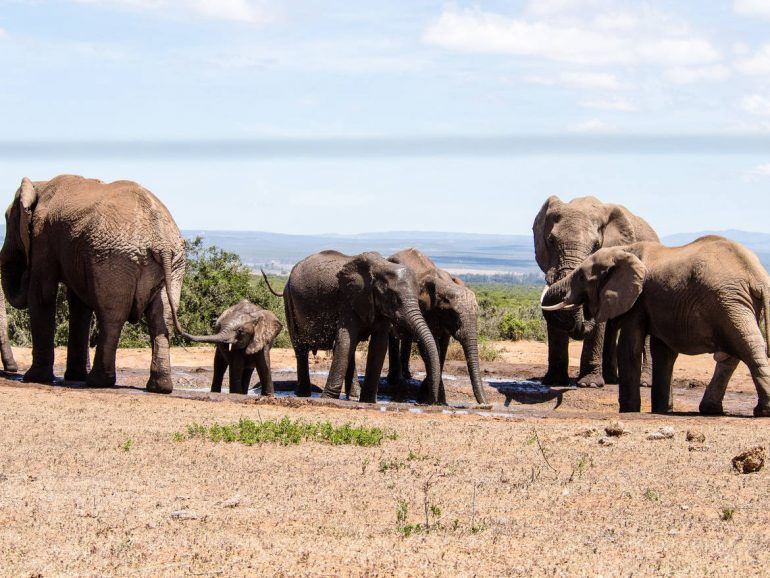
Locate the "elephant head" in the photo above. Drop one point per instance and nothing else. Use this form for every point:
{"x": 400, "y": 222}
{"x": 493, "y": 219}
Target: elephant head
{"x": 607, "y": 285}
{"x": 455, "y": 307}
{"x": 377, "y": 288}
{"x": 566, "y": 234}
{"x": 245, "y": 328}
{"x": 15, "y": 254}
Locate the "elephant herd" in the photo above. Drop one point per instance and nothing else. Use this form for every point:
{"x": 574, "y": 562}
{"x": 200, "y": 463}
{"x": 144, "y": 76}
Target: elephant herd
{"x": 635, "y": 303}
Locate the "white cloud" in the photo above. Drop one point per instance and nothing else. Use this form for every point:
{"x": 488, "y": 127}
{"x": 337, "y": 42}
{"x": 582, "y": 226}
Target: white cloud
{"x": 553, "y": 7}
{"x": 595, "y": 80}
{"x": 613, "y": 104}
{"x": 752, "y": 7}
{"x": 590, "y": 125}
{"x": 477, "y": 31}
{"x": 757, "y": 64}
{"x": 759, "y": 172}
{"x": 756, "y": 104}
{"x": 692, "y": 74}
{"x": 250, "y": 11}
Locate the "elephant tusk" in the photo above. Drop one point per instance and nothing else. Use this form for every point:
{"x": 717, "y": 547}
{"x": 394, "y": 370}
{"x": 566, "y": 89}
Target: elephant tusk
{"x": 542, "y": 295}
{"x": 560, "y": 307}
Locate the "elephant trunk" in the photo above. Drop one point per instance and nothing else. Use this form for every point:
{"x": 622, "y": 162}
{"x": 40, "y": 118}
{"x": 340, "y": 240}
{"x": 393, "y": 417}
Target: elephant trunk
{"x": 224, "y": 336}
{"x": 471, "y": 349}
{"x": 15, "y": 282}
{"x": 416, "y": 325}
{"x": 562, "y": 316}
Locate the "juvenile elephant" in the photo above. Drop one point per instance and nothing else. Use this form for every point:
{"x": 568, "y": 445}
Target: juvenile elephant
{"x": 450, "y": 309}
{"x": 244, "y": 334}
{"x": 333, "y": 301}
{"x": 114, "y": 246}
{"x": 565, "y": 234}
{"x": 705, "y": 297}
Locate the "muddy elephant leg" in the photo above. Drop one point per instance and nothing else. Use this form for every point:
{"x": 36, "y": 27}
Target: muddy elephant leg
{"x": 443, "y": 346}
{"x": 591, "y": 358}
{"x": 558, "y": 358}
{"x": 630, "y": 346}
{"x": 235, "y": 373}
{"x": 6, "y": 353}
{"x": 375, "y": 359}
{"x": 646, "y": 379}
{"x": 160, "y": 366}
{"x": 77, "y": 340}
{"x": 345, "y": 342}
{"x": 263, "y": 371}
{"x": 406, "y": 357}
{"x": 220, "y": 367}
{"x": 662, "y": 369}
{"x": 304, "y": 387}
{"x": 103, "y": 373}
{"x": 750, "y": 347}
{"x": 711, "y": 403}
{"x": 610, "y": 353}
{"x": 42, "y": 319}
{"x": 352, "y": 387}
{"x": 395, "y": 376}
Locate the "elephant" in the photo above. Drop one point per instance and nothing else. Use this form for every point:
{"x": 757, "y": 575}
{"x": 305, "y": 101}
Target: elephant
{"x": 450, "y": 309}
{"x": 6, "y": 353}
{"x": 243, "y": 334}
{"x": 333, "y": 301}
{"x": 704, "y": 297}
{"x": 114, "y": 246}
{"x": 565, "y": 234}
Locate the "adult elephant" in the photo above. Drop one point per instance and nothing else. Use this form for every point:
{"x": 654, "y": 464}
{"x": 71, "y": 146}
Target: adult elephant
{"x": 243, "y": 334}
{"x": 450, "y": 309}
{"x": 705, "y": 297}
{"x": 333, "y": 301}
{"x": 565, "y": 234}
{"x": 114, "y": 246}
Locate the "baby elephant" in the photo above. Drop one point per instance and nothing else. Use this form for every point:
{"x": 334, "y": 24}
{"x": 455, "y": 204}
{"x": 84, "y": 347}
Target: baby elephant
{"x": 705, "y": 297}
{"x": 244, "y": 335}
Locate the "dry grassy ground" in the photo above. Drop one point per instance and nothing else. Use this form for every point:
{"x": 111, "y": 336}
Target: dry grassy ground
{"x": 524, "y": 489}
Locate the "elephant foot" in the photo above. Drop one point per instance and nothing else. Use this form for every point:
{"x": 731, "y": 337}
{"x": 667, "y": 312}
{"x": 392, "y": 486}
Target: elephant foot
{"x": 662, "y": 410}
{"x": 326, "y": 394}
{"x": 611, "y": 377}
{"x": 630, "y": 409}
{"x": 101, "y": 379}
{"x": 426, "y": 398}
{"x": 160, "y": 383}
{"x": 305, "y": 390}
{"x": 594, "y": 379}
{"x": 554, "y": 378}
{"x": 75, "y": 376}
{"x": 37, "y": 374}
{"x": 712, "y": 408}
{"x": 10, "y": 366}
{"x": 762, "y": 411}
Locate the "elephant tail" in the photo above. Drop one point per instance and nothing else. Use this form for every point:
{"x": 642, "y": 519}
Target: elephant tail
{"x": 269, "y": 286}
{"x": 166, "y": 258}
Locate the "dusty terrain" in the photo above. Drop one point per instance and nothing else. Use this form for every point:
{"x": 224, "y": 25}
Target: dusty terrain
{"x": 92, "y": 482}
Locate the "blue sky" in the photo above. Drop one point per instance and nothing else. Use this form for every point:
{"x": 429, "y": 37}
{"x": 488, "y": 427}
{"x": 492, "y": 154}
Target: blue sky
{"x": 358, "y": 97}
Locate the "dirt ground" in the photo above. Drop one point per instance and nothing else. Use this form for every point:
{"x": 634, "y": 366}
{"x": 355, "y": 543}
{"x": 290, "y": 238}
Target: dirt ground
{"x": 95, "y": 482}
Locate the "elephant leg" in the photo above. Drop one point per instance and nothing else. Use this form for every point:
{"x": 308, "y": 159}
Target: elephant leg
{"x": 406, "y": 357}
{"x": 102, "y": 373}
{"x": 711, "y": 404}
{"x": 750, "y": 347}
{"x": 220, "y": 367}
{"x": 160, "y": 366}
{"x": 630, "y": 346}
{"x": 558, "y": 358}
{"x": 375, "y": 359}
{"x": 345, "y": 341}
{"x": 395, "y": 376}
{"x": 663, "y": 359}
{"x": 237, "y": 364}
{"x": 352, "y": 387}
{"x": 647, "y": 363}
{"x": 6, "y": 353}
{"x": 42, "y": 319}
{"x": 263, "y": 370}
{"x": 77, "y": 340}
{"x": 443, "y": 347}
{"x": 610, "y": 353}
{"x": 248, "y": 373}
{"x": 591, "y": 358}
{"x": 304, "y": 387}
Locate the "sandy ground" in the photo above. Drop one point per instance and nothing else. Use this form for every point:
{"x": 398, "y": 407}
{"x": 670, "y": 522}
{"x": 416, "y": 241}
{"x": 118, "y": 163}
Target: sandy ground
{"x": 523, "y": 488}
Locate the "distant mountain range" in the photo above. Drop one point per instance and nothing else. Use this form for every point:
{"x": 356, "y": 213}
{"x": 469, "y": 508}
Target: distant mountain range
{"x": 465, "y": 253}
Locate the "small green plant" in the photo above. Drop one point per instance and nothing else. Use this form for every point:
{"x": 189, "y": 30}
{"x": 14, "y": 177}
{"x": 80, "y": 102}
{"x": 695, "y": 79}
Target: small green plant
{"x": 727, "y": 514}
{"x": 580, "y": 467}
{"x": 178, "y": 437}
{"x": 652, "y": 495}
{"x": 387, "y": 465}
{"x": 288, "y": 431}
{"x": 126, "y": 445}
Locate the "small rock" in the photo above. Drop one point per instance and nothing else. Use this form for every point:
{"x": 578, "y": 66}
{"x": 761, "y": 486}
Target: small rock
{"x": 750, "y": 461}
{"x": 605, "y": 441}
{"x": 698, "y": 448}
{"x": 615, "y": 429}
{"x": 232, "y": 502}
{"x": 664, "y": 433}
{"x": 695, "y": 436}
{"x": 184, "y": 515}
{"x": 685, "y": 507}
{"x": 587, "y": 433}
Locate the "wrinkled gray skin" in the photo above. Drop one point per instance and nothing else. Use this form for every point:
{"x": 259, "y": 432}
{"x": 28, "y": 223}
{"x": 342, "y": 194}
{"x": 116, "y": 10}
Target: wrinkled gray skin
{"x": 243, "y": 334}
{"x": 450, "y": 309}
{"x": 114, "y": 246}
{"x": 333, "y": 301}
{"x": 565, "y": 234}
{"x": 9, "y": 363}
{"x": 705, "y": 297}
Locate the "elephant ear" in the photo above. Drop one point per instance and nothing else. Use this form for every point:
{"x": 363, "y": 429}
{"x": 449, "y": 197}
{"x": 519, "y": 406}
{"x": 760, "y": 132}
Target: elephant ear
{"x": 618, "y": 229}
{"x": 356, "y": 281}
{"x": 266, "y": 329}
{"x": 27, "y": 202}
{"x": 538, "y": 228}
{"x": 427, "y": 293}
{"x": 620, "y": 286}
